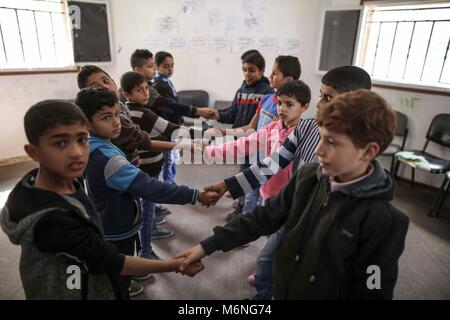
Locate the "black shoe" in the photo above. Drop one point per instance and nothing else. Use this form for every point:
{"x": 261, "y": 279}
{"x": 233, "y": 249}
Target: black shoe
{"x": 161, "y": 210}
{"x": 233, "y": 214}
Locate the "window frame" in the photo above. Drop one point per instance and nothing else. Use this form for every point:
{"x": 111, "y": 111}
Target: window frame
{"x": 74, "y": 68}
{"x": 387, "y": 83}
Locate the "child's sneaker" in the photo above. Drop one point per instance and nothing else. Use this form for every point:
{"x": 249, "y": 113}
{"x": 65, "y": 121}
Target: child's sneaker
{"x": 160, "y": 233}
{"x": 135, "y": 289}
{"x": 161, "y": 210}
{"x": 142, "y": 278}
{"x": 159, "y": 220}
{"x": 152, "y": 256}
{"x": 251, "y": 279}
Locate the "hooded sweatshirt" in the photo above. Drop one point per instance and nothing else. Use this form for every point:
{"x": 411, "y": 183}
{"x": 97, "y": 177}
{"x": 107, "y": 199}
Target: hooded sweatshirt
{"x": 245, "y": 103}
{"x": 114, "y": 185}
{"x": 56, "y": 234}
{"x": 331, "y": 240}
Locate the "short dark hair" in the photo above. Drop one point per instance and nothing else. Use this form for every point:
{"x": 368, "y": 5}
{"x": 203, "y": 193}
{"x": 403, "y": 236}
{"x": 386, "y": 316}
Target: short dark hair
{"x": 361, "y": 115}
{"x": 139, "y": 56}
{"x": 130, "y": 80}
{"x": 91, "y": 100}
{"x": 86, "y": 72}
{"x": 347, "y": 78}
{"x": 248, "y": 52}
{"x": 257, "y": 59}
{"x": 289, "y": 66}
{"x": 296, "y": 89}
{"x": 50, "y": 113}
{"x": 161, "y": 56}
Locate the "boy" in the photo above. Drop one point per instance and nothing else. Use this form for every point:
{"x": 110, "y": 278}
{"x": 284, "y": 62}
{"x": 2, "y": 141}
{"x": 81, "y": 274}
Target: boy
{"x": 142, "y": 61}
{"x": 293, "y": 99}
{"x": 285, "y": 69}
{"x": 339, "y": 221}
{"x": 135, "y": 90}
{"x": 114, "y": 184}
{"x": 301, "y": 144}
{"x": 245, "y": 102}
{"x": 131, "y": 138}
{"x": 53, "y": 220}
{"x": 162, "y": 83}
{"x": 297, "y": 149}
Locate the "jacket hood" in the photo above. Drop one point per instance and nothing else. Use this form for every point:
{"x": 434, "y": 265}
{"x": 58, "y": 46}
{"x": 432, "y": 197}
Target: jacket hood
{"x": 263, "y": 81}
{"x": 25, "y": 201}
{"x": 379, "y": 184}
{"x": 97, "y": 143}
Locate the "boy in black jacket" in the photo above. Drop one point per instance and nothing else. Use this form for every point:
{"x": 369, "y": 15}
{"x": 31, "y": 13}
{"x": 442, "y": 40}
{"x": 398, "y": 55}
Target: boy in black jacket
{"x": 343, "y": 237}
{"x": 64, "y": 252}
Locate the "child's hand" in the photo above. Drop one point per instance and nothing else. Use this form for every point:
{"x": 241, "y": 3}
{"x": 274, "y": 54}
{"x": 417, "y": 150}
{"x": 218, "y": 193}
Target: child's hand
{"x": 208, "y": 113}
{"x": 193, "y": 268}
{"x": 220, "y": 188}
{"x": 208, "y": 198}
{"x": 191, "y": 256}
{"x": 197, "y": 146}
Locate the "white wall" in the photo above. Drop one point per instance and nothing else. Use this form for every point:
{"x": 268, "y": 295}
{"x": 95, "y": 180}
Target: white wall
{"x": 17, "y": 94}
{"x": 219, "y": 74}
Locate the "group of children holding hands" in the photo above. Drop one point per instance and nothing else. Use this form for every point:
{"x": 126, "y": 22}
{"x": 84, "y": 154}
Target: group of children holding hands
{"x": 312, "y": 185}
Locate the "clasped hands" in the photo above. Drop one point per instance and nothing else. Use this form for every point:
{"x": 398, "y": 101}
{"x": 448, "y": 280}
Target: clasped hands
{"x": 189, "y": 261}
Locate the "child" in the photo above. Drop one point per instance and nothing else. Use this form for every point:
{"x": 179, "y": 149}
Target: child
{"x": 254, "y": 87}
{"x": 64, "y": 254}
{"x": 285, "y": 69}
{"x": 339, "y": 221}
{"x": 135, "y": 90}
{"x": 245, "y": 103}
{"x": 298, "y": 148}
{"x": 114, "y": 184}
{"x": 162, "y": 83}
{"x": 292, "y": 101}
{"x": 142, "y": 61}
{"x": 131, "y": 138}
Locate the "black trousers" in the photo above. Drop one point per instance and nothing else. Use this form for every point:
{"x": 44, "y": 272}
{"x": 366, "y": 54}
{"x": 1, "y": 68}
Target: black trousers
{"x": 126, "y": 247}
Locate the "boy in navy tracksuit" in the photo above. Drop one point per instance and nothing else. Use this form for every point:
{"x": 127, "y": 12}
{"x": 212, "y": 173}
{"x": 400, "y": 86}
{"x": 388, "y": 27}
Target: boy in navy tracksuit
{"x": 114, "y": 184}
{"x": 246, "y": 100}
{"x": 245, "y": 103}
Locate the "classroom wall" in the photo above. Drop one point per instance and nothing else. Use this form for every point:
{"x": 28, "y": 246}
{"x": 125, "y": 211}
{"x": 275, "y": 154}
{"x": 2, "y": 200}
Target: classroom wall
{"x": 218, "y": 73}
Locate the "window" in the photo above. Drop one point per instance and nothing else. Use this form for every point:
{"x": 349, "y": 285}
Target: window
{"x": 406, "y": 43}
{"x": 35, "y": 34}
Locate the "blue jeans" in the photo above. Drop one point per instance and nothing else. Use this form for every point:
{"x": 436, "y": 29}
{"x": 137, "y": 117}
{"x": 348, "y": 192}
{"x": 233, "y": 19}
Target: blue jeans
{"x": 169, "y": 167}
{"x": 148, "y": 226}
{"x": 263, "y": 274}
{"x": 252, "y": 199}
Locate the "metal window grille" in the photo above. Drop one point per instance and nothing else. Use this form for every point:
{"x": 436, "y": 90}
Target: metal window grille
{"x": 34, "y": 34}
{"x": 407, "y": 43}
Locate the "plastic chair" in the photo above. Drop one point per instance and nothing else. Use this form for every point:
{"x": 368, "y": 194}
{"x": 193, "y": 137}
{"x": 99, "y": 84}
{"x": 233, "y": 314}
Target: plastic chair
{"x": 222, "y": 104}
{"x": 440, "y": 199}
{"x": 439, "y": 133}
{"x": 198, "y": 98}
{"x": 401, "y": 131}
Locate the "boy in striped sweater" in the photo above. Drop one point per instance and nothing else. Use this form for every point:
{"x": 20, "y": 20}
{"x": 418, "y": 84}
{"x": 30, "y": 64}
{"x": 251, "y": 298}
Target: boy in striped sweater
{"x": 135, "y": 90}
{"x": 298, "y": 148}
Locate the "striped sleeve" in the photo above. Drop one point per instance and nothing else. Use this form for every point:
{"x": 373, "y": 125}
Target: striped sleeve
{"x": 300, "y": 143}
